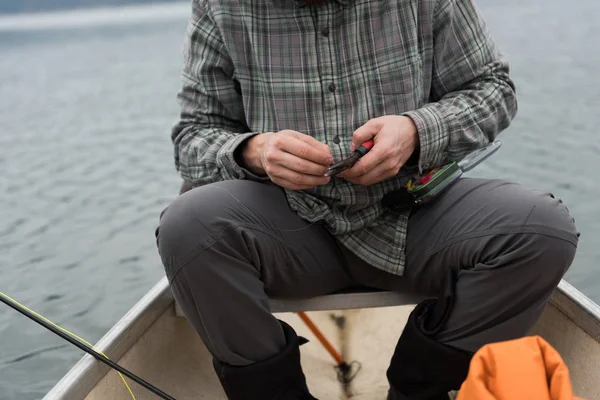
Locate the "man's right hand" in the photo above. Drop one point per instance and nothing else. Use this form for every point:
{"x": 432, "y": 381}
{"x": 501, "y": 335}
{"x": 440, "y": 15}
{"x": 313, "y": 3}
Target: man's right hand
{"x": 291, "y": 159}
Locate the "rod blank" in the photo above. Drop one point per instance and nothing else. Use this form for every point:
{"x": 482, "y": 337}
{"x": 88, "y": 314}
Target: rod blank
{"x": 87, "y": 349}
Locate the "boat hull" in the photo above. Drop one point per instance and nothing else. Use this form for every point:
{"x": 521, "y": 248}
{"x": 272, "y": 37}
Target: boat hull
{"x": 155, "y": 342}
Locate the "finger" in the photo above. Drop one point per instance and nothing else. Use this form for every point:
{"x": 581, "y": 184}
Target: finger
{"x": 295, "y": 178}
{"x": 378, "y": 174}
{"x": 365, "y": 132}
{"x": 289, "y": 185}
{"x": 311, "y": 141}
{"x": 300, "y": 148}
{"x": 300, "y": 165}
{"x": 365, "y": 164}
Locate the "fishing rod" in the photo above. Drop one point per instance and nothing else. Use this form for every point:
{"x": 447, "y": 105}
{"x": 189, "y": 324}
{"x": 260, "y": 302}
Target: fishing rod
{"x": 82, "y": 346}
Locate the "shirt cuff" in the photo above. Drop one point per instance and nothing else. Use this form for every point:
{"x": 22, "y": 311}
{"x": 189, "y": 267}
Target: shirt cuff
{"x": 229, "y": 166}
{"x": 432, "y": 129}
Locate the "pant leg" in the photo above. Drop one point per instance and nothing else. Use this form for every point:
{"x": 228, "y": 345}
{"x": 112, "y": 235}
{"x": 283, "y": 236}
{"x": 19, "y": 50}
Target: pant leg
{"x": 501, "y": 249}
{"x": 226, "y": 247}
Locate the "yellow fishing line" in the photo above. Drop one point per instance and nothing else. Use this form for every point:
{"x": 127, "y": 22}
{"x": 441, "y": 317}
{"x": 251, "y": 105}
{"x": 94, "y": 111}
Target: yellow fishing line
{"x": 70, "y": 334}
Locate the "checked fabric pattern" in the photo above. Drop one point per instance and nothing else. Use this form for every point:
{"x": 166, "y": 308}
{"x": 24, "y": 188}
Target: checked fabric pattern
{"x": 253, "y": 66}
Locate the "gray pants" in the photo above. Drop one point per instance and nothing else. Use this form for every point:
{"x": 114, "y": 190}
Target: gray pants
{"x": 227, "y": 246}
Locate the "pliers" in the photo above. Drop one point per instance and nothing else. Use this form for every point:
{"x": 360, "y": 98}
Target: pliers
{"x": 343, "y": 165}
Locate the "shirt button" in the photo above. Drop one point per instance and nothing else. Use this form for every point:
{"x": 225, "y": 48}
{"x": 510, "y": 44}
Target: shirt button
{"x": 325, "y": 31}
{"x": 331, "y": 87}
{"x": 336, "y": 139}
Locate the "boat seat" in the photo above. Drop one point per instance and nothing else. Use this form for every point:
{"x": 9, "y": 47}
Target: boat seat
{"x": 348, "y": 299}
{"x": 343, "y": 300}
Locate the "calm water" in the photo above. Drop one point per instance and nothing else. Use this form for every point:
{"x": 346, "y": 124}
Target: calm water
{"x": 86, "y": 104}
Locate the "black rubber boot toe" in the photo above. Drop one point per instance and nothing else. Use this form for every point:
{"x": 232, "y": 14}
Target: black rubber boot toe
{"x": 421, "y": 368}
{"x": 277, "y": 378}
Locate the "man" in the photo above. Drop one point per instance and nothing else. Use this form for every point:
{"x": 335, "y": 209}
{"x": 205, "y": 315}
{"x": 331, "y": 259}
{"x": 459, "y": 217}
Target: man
{"x": 274, "y": 91}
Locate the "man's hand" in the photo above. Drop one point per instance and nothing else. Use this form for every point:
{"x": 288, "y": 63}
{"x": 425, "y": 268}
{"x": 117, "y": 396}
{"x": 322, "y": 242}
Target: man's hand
{"x": 395, "y": 140}
{"x": 291, "y": 159}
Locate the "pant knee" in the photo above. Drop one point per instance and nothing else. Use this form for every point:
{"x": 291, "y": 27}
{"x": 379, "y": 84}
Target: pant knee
{"x": 552, "y": 238}
{"x": 552, "y": 258}
{"x": 542, "y": 247}
{"x": 193, "y": 222}
{"x": 549, "y": 213}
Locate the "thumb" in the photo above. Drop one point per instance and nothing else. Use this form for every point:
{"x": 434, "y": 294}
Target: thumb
{"x": 365, "y": 132}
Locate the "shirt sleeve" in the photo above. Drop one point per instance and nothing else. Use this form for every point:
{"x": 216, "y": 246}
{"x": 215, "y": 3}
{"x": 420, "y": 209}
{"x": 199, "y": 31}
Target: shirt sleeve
{"x": 212, "y": 123}
{"x": 472, "y": 96}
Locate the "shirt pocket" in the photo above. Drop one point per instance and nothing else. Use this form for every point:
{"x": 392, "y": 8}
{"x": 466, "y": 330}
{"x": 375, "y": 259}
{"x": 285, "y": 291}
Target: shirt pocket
{"x": 398, "y": 87}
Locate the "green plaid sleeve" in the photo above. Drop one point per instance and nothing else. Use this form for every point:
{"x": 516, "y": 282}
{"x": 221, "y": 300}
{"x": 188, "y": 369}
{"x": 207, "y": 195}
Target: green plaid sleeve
{"x": 472, "y": 96}
{"x": 212, "y": 122}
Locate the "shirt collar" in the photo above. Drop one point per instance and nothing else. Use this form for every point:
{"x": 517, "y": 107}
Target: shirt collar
{"x": 301, "y": 3}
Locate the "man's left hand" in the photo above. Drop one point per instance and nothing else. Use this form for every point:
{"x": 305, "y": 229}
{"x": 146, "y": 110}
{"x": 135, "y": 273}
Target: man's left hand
{"x": 395, "y": 139}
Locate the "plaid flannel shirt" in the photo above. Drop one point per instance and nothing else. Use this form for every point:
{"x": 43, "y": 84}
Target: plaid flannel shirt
{"x": 253, "y": 66}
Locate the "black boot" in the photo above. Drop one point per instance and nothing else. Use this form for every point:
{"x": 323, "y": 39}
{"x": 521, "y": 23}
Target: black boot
{"x": 277, "y": 378}
{"x": 421, "y": 368}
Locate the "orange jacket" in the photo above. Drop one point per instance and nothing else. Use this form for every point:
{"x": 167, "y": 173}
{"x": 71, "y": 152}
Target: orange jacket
{"x": 523, "y": 369}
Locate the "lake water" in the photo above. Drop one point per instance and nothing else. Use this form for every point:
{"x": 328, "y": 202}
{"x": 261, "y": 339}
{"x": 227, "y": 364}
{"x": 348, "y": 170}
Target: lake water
{"x": 86, "y": 105}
